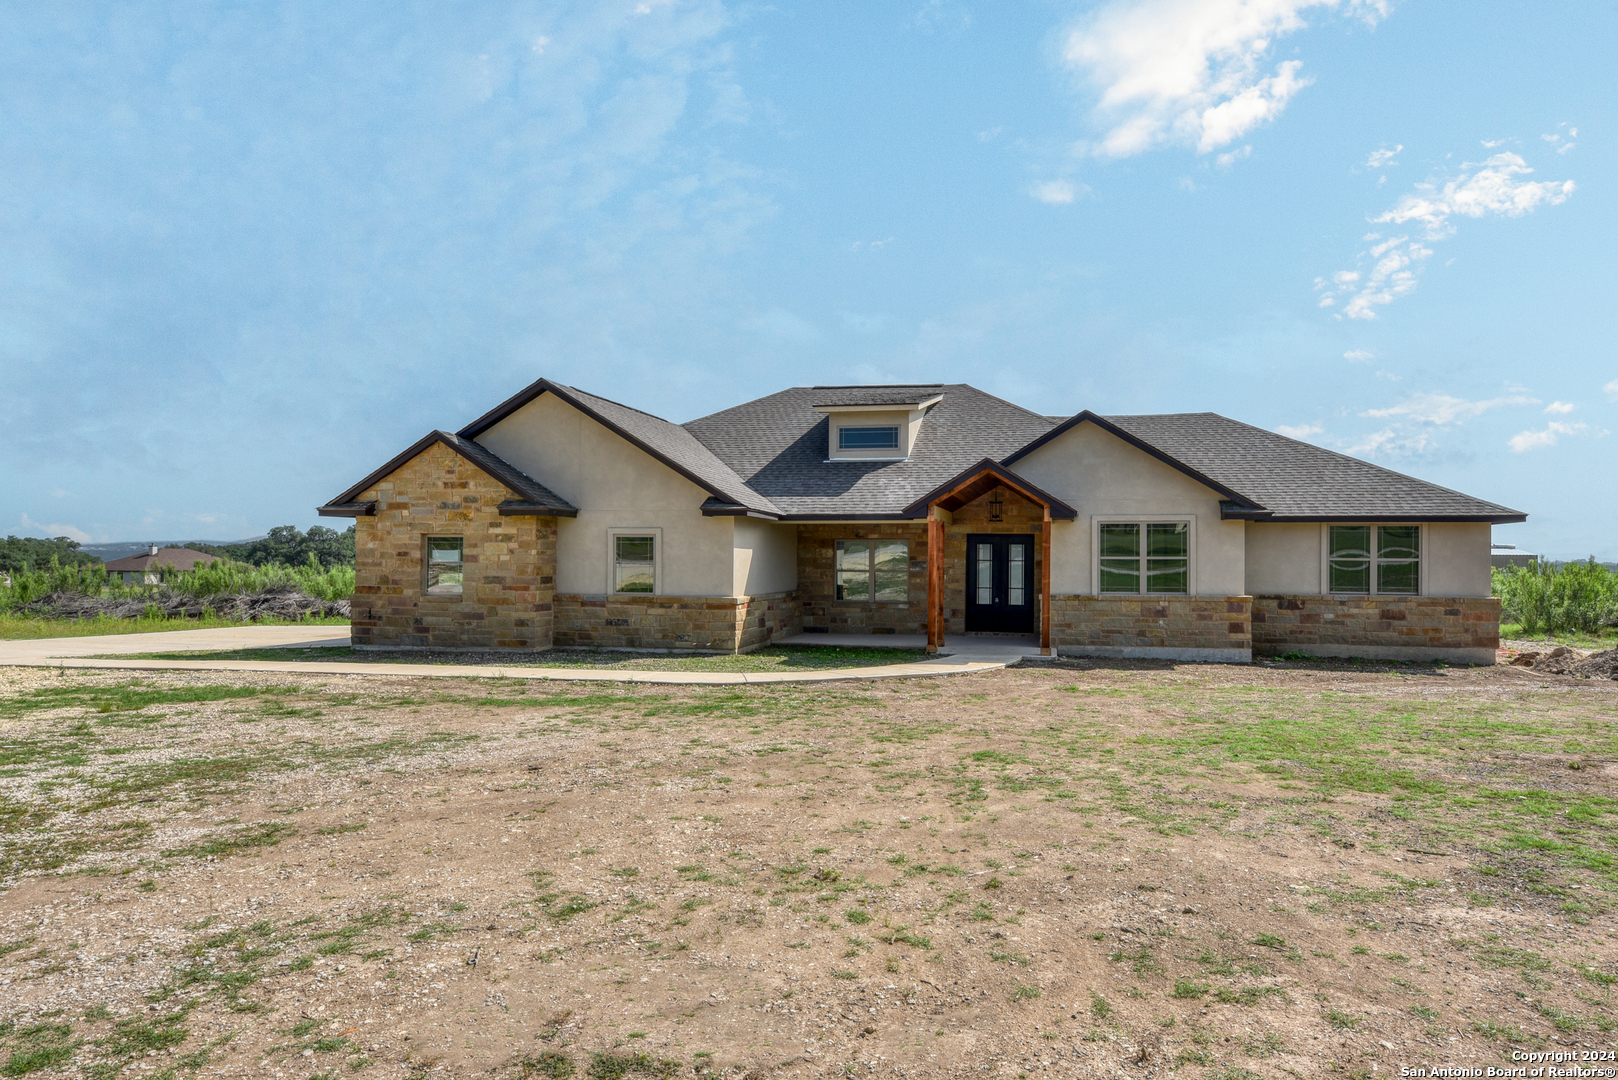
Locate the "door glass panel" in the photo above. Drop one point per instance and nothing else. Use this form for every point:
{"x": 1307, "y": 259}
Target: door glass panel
{"x": 1015, "y": 565}
{"x": 985, "y": 563}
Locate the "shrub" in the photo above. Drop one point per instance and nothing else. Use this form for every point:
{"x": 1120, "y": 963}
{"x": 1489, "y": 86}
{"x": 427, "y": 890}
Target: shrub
{"x": 1558, "y": 598}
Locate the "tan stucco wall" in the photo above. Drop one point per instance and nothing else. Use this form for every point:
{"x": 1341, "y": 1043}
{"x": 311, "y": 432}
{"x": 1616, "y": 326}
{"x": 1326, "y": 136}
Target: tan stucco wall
{"x": 1286, "y": 559}
{"x": 1282, "y": 558}
{"x": 1457, "y": 559}
{"x": 1098, "y": 474}
{"x": 615, "y": 485}
{"x": 765, "y": 557}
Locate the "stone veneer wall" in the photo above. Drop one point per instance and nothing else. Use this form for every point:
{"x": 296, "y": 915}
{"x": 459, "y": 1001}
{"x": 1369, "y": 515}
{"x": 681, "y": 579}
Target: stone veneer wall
{"x": 509, "y": 566}
{"x": 721, "y": 623}
{"x": 1458, "y": 629}
{"x": 1153, "y": 627}
{"x": 817, "y": 592}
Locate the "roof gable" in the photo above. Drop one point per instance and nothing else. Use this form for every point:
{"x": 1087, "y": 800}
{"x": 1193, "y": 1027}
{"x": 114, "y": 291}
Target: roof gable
{"x": 532, "y": 496}
{"x": 667, "y": 442}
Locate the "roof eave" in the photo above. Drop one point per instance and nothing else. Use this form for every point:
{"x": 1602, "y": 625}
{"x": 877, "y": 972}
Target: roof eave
{"x": 517, "y": 508}
{"x": 348, "y": 509}
{"x": 1509, "y": 518}
{"x": 1059, "y": 510}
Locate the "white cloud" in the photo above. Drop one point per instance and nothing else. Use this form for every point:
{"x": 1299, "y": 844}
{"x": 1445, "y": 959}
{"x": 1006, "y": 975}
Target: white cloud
{"x": 1359, "y": 356}
{"x": 1442, "y": 410}
{"x": 1489, "y": 188}
{"x": 1612, "y": 388}
{"x": 1191, "y": 72}
{"x": 1560, "y": 407}
{"x": 1057, "y": 192}
{"x": 1391, "y": 441}
{"x": 1225, "y": 161}
{"x": 55, "y": 529}
{"x": 1301, "y": 431}
{"x": 1381, "y": 159}
{"x": 1524, "y": 441}
{"x": 1563, "y": 143}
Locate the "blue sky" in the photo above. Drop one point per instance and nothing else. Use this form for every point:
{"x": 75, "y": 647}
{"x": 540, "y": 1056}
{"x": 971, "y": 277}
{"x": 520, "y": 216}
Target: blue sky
{"x": 249, "y": 252}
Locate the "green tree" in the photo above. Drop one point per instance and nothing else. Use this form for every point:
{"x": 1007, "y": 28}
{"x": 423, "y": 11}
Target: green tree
{"x": 19, "y": 553}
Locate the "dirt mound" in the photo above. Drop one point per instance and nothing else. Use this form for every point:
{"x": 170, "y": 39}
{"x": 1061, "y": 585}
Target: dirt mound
{"x": 280, "y": 602}
{"x": 1565, "y": 661}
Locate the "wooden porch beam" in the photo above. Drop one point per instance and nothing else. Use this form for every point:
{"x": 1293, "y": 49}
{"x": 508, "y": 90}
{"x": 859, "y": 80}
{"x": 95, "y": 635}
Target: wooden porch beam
{"x": 935, "y": 579}
{"x": 1045, "y": 586}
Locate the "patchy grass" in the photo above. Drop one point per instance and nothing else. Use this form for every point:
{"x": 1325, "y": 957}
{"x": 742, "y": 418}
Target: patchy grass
{"x": 25, "y": 627}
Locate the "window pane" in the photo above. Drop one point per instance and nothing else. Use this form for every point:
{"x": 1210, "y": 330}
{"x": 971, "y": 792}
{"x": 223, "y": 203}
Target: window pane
{"x": 1398, "y": 577}
{"x": 1016, "y": 569}
{"x": 1350, "y": 562}
{"x": 853, "y": 570}
{"x": 892, "y": 571}
{"x": 444, "y": 566}
{"x": 1398, "y": 568}
{"x": 868, "y": 438}
{"x": 634, "y": 564}
{"x": 1167, "y": 576}
{"x": 1120, "y": 541}
{"x": 1168, "y": 540}
{"x": 1398, "y": 542}
{"x": 985, "y": 573}
{"x": 1120, "y": 575}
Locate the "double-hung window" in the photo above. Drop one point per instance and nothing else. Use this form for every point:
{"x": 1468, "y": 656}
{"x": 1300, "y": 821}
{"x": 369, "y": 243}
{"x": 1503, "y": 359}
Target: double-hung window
{"x": 1393, "y": 565}
{"x": 1145, "y": 557}
{"x": 876, "y": 570}
{"x": 445, "y": 565}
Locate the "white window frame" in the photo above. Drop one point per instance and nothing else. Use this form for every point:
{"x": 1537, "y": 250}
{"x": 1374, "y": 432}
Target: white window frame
{"x": 1098, "y": 520}
{"x": 656, "y": 533}
{"x": 1325, "y": 558}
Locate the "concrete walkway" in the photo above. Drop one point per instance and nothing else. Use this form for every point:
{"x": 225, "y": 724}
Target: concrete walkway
{"x": 98, "y": 653}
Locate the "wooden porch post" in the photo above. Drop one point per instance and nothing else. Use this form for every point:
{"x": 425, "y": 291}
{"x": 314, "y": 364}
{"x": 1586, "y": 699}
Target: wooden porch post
{"x": 1045, "y": 586}
{"x": 935, "y": 580}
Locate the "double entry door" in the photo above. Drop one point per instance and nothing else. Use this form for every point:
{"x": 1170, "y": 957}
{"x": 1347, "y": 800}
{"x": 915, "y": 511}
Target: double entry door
{"x": 1000, "y": 584}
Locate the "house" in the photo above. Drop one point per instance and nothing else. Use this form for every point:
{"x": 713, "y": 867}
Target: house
{"x": 1503, "y": 555}
{"x": 145, "y": 568}
{"x": 561, "y": 518}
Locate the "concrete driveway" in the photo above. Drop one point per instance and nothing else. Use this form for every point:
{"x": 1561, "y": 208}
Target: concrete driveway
{"x": 101, "y": 653}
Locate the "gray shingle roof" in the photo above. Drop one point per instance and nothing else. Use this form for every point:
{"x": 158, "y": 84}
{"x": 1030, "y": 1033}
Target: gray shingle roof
{"x": 874, "y": 395}
{"x": 778, "y": 445}
{"x": 1299, "y": 480}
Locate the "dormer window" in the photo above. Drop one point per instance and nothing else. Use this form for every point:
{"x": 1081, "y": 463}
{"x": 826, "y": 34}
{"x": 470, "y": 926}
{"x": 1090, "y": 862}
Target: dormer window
{"x": 874, "y": 423}
{"x": 868, "y": 438}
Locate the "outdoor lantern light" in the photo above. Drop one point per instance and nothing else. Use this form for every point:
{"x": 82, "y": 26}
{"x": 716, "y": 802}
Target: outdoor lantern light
{"x": 996, "y": 506}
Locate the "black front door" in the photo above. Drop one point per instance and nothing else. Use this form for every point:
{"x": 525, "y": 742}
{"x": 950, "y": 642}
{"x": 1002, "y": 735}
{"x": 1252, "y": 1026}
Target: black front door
{"x": 999, "y": 584}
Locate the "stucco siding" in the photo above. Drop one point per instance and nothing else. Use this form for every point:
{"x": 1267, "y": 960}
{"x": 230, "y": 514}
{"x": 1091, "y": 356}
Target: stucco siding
{"x": 1283, "y": 557}
{"x": 766, "y": 557}
{"x": 1100, "y": 475}
{"x": 615, "y": 485}
{"x": 1457, "y": 559}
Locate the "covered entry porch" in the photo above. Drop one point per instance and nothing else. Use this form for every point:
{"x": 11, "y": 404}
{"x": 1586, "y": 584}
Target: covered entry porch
{"x": 989, "y": 565}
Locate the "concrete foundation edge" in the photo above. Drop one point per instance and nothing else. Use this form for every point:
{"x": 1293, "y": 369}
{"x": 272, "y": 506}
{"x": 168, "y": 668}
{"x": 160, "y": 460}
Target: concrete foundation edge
{"x": 1407, "y": 654}
{"x": 1153, "y": 652}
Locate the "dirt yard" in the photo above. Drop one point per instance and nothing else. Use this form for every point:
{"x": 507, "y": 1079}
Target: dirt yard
{"x": 1138, "y": 870}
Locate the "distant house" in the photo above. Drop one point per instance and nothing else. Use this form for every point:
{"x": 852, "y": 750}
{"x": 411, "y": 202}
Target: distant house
{"x": 143, "y": 569}
{"x": 566, "y": 519}
{"x": 1507, "y": 555}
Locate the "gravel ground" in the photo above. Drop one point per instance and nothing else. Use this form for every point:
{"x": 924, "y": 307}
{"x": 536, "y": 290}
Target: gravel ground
{"x": 1066, "y": 870}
